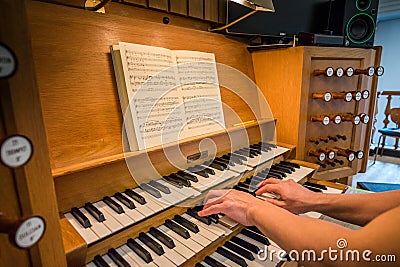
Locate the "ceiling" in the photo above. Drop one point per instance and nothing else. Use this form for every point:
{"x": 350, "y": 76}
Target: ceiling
{"x": 388, "y": 9}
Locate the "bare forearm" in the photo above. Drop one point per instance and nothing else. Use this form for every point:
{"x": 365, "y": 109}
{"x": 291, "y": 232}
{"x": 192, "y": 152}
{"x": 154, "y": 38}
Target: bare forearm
{"x": 355, "y": 208}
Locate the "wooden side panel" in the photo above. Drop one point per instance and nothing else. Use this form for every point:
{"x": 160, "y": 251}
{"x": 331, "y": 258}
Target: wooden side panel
{"x": 196, "y": 8}
{"x": 21, "y": 111}
{"x": 178, "y": 6}
{"x": 280, "y": 79}
{"x": 159, "y": 4}
{"x": 211, "y": 10}
{"x": 75, "y": 76}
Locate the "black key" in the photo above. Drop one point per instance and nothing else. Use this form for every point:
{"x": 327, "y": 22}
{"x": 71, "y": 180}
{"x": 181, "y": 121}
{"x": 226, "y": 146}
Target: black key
{"x": 100, "y": 262}
{"x": 209, "y": 170}
{"x": 243, "y": 154}
{"x": 222, "y": 164}
{"x": 177, "y": 229}
{"x": 233, "y": 257}
{"x": 199, "y": 265}
{"x": 232, "y": 159}
{"x": 255, "y": 229}
{"x": 188, "y": 224}
{"x": 214, "y": 218}
{"x": 263, "y": 148}
{"x": 178, "y": 178}
{"x": 117, "y": 258}
{"x": 313, "y": 188}
{"x": 151, "y": 190}
{"x": 242, "y": 158}
{"x": 297, "y": 166}
{"x": 160, "y": 187}
{"x": 216, "y": 166}
{"x": 239, "y": 250}
{"x": 189, "y": 176}
{"x": 166, "y": 240}
{"x": 135, "y": 196}
{"x": 278, "y": 170}
{"x": 212, "y": 262}
{"x": 281, "y": 168}
{"x": 201, "y": 173}
{"x": 193, "y": 213}
{"x": 98, "y": 215}
{"x": 278, "y": 173}
{"x": 225, "y": 161}
{"x": 240, "y": 188}
{"x": 320, "y": 186}
{"x": 81, "y": 218}
{"x": 151, "y": 243}
{"x": 292, "y": 169}
{"x": 244, "y": 244}
{"x": 114, "y": 205}
{"x": 139, "y": 250}
{"x": 124, "y": 200}
{"x": 173, "y": 181}
{"x": 255, "y": 236}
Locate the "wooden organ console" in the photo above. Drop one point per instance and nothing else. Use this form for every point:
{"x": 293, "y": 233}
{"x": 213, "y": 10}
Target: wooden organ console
{"x": 63, "y": 98}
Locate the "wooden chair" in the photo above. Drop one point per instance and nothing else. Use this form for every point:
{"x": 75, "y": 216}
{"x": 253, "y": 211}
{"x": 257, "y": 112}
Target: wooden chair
{"x": 389, "y": 132}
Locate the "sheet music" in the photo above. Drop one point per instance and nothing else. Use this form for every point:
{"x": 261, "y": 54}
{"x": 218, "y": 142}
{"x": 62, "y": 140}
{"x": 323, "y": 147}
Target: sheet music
{"x": 200, "y": 90}
{"x": 169, "y": 101}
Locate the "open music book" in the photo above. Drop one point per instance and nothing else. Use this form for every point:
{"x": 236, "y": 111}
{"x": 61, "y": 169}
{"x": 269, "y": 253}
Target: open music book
{"x": 166, "y": 95}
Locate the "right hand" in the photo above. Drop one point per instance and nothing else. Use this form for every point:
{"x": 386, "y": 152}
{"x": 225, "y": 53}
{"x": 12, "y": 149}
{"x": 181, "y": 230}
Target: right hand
{"x": 293, "y": 196}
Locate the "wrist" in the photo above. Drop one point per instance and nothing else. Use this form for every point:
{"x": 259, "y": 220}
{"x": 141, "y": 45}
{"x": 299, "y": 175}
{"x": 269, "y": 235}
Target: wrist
{"x": 252, "y": 212}
{"x": 316, "y": 201}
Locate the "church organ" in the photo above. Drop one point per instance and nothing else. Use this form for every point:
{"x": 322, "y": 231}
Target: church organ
{"x": 63, "y": 98}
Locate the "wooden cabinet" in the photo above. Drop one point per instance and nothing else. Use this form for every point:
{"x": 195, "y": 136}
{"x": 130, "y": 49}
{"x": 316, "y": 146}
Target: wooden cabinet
{"x": 286, "y": 79}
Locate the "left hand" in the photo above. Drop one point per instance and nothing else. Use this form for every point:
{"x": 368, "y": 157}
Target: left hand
{"x": 233, "y": 203}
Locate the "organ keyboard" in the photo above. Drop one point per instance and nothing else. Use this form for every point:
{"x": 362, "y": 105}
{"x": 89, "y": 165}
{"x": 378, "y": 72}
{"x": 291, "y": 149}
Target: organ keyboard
{"x": 153, "y": 206}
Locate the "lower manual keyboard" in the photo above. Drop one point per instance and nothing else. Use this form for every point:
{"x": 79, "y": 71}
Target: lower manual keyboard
{"x": 174, "y": 245}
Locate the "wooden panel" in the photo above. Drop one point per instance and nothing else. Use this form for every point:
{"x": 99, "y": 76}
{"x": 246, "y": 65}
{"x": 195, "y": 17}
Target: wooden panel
{"x": 136, "y": 2}
{"x": 81, "y": 94}
{"x": 178, "y": 6}
{"x": 20, "y": 103}
{"x": 289, "y": 72}
{"x": 159, "y": 4}
{"x": 222, "y": 10}
{"x": 196, "y": 8}
{"x": 9, "y": 206}
{"x": 211, "y": 10}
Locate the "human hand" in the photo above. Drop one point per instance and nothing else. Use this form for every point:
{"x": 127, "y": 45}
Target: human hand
{"x": 233, "y": 203}
{"x": 293, "y": 197}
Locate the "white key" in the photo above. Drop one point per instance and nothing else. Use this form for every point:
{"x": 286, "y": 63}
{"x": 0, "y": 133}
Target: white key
{"x": 132, "y": 213}
{"x": 171, "y": 254}
{"x": 139, "y": 261}
{"x": 154, "y": 203}
{"x": 299, "y": 174}
{"x": 126, "y": 257}
{"x": 197, "y": 237}
{"x": 109, "y": 261}
{"x": 160, "y": 261}
{"x": 122, "y": 218}
{"x": 110, "y": 222}
{"x": 192, "y": 245}
{"x": 91, "y": 264}
{"x": 86, "y": 233}
{"x": 97, "y": 227}
{"x": 143, "y": 209}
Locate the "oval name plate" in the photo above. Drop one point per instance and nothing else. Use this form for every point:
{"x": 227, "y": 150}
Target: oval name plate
{"x": 16, "y": 151}
{"x": 30, "y": 232}
{"x": 8, "y": 62}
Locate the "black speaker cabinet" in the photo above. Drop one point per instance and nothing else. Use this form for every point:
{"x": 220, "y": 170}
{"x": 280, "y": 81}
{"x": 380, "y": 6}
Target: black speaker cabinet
{"x": 355, "y": 20}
